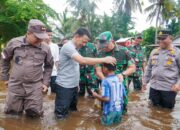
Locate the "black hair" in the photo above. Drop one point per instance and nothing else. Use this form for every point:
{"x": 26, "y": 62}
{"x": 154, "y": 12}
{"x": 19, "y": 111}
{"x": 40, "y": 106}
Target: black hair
{"x": 48, "y": 30}
{"x": 110, "y": 67}
{"x": 82, "y": 31}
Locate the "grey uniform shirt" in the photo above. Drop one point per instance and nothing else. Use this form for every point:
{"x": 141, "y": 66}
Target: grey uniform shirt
{"x": 28, "y": 62}
{"x": 163, "y": 69}
{"x": 68, "y": 72}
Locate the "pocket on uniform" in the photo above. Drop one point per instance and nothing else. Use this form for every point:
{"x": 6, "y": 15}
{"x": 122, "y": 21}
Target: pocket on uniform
{"x": 39, "y": 58}
{"x": 19, "y": 56}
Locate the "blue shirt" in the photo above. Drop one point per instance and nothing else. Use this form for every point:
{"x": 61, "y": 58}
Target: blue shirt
{"x": 115, "y": 91}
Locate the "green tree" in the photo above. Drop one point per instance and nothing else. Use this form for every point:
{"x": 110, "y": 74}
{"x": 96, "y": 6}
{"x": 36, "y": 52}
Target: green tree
{"x": 161, "y": 10}
{"x": 148, "y": 39}
{"x": 15, "y": 14}
{"x": 127, "y": 6}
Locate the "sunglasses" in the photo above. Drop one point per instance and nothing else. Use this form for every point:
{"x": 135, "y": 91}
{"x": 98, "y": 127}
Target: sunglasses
{"x": 162, "y": 38}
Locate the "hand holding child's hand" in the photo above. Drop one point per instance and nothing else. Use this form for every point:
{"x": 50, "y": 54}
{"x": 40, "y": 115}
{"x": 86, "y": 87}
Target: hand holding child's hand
{"x": 94, "y": 94}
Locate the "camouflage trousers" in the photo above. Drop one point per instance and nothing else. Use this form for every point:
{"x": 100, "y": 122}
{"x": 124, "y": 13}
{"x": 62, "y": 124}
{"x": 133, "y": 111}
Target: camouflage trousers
{"x": 88, "y": 82}
{"x": 137, "y": 82}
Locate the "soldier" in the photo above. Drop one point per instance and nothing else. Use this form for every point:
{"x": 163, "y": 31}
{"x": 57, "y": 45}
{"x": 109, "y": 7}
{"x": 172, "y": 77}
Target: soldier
{"x": 32, "y": 64}
{"x": 163, "y": 72}
{"x": 88, "y": 78}
{"x": 125, "y": 64}
{"x": 69, "y": 74}
{"x": 138, "y": 54}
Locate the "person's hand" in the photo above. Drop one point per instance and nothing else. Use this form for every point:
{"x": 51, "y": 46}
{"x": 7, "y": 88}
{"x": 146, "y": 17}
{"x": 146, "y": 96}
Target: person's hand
{"x": 94, "y": 94}
{"x": 110, "y": 60}
{"x": 144, "y": 87}
{"x": 45, "y": 88}
{"x": 176, "y": 88}
{"x": 78, "y": 89}
{"x": 121, "y": 77}
{"x": 6, "y": 83}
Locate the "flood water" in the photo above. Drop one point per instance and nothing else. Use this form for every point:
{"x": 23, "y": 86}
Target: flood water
{"x": 140, "y": 116}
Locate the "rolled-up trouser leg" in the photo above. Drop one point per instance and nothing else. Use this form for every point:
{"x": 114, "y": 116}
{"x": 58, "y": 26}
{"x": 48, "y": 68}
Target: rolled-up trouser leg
{"x": 33, "y": 102}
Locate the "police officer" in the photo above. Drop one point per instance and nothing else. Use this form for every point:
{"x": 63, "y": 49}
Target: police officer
{"x": 138, "y": 54}
{"x": 88, "y": 79}
{"x": 163, "y": 72}
{"x": 125, "y": 64}
{"x": 32, "y": 64}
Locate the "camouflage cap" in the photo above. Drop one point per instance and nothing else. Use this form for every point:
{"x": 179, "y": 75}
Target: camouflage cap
{"x": 105, "y": 37}
{"x": 37, "y": 28}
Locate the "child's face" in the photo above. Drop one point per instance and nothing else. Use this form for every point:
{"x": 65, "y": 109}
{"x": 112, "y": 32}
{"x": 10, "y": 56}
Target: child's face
{"x": 104, "y": 70}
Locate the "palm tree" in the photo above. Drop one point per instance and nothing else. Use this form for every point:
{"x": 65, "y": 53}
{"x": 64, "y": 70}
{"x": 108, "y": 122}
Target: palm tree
{"x": 162, "y": 10}
{"x": 127, "y": 6}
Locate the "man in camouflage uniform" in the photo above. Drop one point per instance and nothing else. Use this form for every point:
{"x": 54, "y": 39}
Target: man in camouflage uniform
{"x": 125, "y": 64}
{"x": 88, "y": 78}
{"x": 138, "y": 54}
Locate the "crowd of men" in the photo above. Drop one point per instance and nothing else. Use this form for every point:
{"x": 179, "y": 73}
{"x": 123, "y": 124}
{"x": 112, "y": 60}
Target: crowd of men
{"x": 103, "y": 69}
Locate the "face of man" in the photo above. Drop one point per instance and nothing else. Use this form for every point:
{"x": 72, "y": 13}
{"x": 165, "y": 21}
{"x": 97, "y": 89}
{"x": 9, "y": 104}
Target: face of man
{"x": 32, "y": 39}
{"x": 50, "y": 37}
{"x": 105, "y": 46}
{"x": 164, "y": 42}
{"x": 81, "y": 41}
{"x": 138, "y": 40}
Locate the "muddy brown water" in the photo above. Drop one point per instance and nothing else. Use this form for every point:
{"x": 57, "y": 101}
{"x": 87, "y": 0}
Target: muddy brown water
{"x": 140, "y": 116}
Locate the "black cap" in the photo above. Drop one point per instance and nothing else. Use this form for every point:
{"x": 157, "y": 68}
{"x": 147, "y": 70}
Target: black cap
{"x": 164, "y": 33}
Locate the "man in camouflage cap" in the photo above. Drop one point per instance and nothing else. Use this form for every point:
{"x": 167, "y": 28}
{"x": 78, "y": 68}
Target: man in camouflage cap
{"x": 138, "y": 54}
{"x": 88, "y": 79}
{"x": 125, "y": 64}
{"x": 32, "y": 65}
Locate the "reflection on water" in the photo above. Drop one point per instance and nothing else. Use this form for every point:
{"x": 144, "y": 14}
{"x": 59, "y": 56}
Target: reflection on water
{"x": 140, "y": 116}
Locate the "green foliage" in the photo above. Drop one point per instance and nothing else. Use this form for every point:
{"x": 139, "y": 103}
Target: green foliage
{"x": 128, "y": 6}
{"x": 15, "y": 15}
{"x": 174, "y": 26}
{"x": 148, "y": 36}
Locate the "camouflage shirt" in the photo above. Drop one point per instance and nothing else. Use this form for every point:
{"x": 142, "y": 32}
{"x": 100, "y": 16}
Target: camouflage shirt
{"x": 87, "y": 71}
{"x": 122, "y": 55}
{"x": 138, "y": 54}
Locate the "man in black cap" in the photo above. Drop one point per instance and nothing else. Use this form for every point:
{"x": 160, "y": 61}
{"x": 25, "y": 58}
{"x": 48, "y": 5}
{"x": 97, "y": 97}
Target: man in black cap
{"x": 32, "y": 65}
{"x": 163, "y": 72}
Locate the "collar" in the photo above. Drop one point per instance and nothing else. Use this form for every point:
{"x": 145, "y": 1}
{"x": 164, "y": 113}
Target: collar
{"x": 27, "y": 44}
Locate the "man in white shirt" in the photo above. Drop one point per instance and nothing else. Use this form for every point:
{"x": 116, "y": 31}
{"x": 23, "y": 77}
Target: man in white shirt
{"x": 55, "y": 53}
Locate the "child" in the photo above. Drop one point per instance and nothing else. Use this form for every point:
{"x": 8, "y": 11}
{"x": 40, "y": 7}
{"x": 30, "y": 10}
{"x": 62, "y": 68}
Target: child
{"x": 113, "y": 93}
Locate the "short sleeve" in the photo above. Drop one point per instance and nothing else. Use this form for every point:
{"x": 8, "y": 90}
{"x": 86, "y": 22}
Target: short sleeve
{"x": 105, "y": 89}
{"x": 70, "y": 50}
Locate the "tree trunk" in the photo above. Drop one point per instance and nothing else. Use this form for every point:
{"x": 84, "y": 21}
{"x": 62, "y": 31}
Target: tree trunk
{"x": 157, "y": 26}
